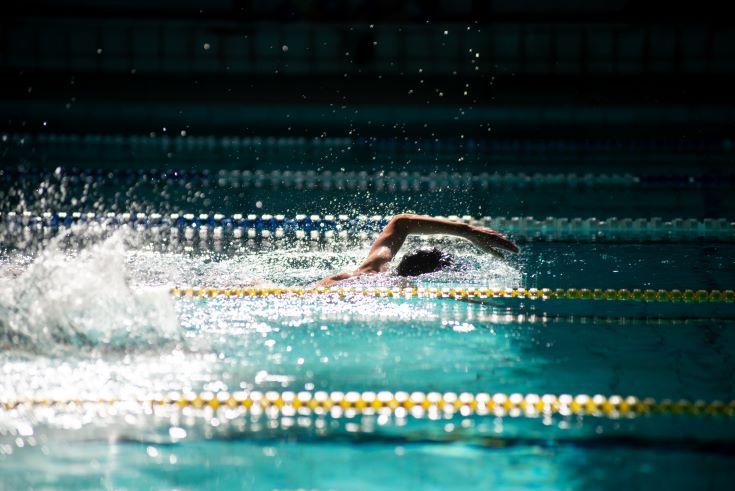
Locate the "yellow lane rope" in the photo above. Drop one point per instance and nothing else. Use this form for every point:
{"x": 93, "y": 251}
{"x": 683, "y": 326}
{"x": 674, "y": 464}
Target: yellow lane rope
{"x": 415, "y": 404}
{"x": 636, "y": 295}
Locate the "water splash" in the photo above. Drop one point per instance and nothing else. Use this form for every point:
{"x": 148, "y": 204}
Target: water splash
{"x": 82, "y": 298}
{"x": 301, "y": 264}
{"x": 113, "y": 293}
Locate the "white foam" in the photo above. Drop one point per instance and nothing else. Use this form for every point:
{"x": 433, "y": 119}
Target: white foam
{"x": 83, "y": 298}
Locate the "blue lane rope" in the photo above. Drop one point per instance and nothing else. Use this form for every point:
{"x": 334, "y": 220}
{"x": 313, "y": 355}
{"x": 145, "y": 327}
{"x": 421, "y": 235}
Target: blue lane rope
{"x": 319, "y": 227}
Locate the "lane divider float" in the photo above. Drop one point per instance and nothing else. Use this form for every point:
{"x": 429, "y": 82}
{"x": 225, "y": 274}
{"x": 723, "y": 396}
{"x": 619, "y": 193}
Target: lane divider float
{"x": 415, "y": 404}
{"x": 145, "y": 143}
{"x": 378, "y": 180}
{"x": 327, "y": 179}
{"x": 460, "y": 293}
{"x": 218, "y": 226}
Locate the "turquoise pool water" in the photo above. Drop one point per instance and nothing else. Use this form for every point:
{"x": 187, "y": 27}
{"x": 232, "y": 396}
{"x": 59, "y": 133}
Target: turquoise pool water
{"x": 94, "y": 320}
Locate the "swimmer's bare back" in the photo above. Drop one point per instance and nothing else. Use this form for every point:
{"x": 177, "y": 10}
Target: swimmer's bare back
{"x": 390, "y": 240}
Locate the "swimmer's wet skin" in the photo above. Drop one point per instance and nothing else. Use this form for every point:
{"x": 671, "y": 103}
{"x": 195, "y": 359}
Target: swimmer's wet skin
{"x": 390, "y": 240}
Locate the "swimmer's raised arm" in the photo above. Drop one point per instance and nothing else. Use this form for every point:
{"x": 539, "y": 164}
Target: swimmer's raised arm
{"x": 390, "y": 240}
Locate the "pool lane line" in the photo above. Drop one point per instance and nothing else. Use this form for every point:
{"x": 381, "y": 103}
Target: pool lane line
{"x": 274, "y": 145}
{"x": 403, "y": 404}
{"x": 255, "y": 225}
{"x": 338, "y": 180}
{"x": 217, "y": 229}
{"x": 355, "y": 180}
{"x": 462, "y": 293}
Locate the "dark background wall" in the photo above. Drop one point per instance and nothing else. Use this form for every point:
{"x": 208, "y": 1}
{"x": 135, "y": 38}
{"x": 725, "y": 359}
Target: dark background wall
{"x": 626, "y": 71}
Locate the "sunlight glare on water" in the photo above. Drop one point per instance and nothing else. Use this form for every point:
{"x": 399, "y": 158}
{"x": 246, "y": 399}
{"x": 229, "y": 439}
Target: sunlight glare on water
{"x": 100, "y": 320}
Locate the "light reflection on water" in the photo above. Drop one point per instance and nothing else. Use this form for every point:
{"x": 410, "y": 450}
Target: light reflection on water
{"x": 376, "y": 463}
{"x": 99, "y": 323}
{"x": 100, "y": 319}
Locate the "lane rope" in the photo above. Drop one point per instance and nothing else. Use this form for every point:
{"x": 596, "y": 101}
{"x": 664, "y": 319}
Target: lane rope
{"x": 218, "y": 226}
{"x": 415, "y": 404}
{"x": 327, "y": 179}
{"x": 360, "y": 180}
{"x": 91, "y": 142}
{"x": 459, "y": 293}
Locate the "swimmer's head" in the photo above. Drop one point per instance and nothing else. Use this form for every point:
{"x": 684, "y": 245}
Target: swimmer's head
{"x": 423, "y": 261}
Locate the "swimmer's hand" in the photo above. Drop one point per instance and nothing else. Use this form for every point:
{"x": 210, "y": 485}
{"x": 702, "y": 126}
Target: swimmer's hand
{"x": 490, "y": 241}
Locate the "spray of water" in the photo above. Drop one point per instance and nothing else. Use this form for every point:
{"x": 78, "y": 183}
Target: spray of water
{"x": 82, "y": 298}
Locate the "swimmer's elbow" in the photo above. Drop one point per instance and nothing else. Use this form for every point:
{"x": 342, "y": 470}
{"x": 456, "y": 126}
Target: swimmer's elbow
{"x": 402, "y": 221}
{"x": 403, "y": 217}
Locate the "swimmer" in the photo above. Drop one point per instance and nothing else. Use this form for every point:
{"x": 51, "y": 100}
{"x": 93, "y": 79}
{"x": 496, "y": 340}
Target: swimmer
{"x": 390, "y": 240}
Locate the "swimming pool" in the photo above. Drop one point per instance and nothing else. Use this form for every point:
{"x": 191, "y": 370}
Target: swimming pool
{"x": 109, "y": 380}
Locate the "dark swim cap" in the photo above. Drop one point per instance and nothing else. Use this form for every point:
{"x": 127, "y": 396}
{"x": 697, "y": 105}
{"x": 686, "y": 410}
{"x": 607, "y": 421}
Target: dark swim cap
{"x": 424, "y": 261}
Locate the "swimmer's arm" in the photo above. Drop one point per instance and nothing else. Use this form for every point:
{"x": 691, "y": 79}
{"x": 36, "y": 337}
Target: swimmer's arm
{"x": 394, "y": 234}
{"x": 390, "y": 240}
{"x": 334, "y": 279}
{"x": 383, "y": 250}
